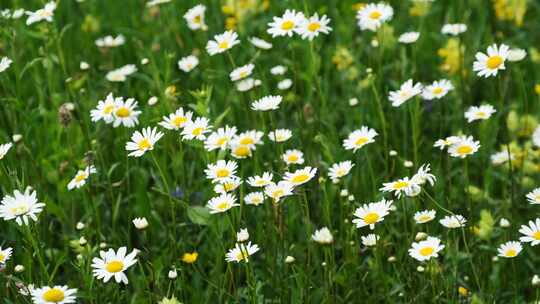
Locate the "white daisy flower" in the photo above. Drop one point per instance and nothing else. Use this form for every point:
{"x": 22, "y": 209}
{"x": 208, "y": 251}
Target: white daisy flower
{"x": 80, "y": 178}
{"x": 515, "y": 55}
{"x": 46, "y": 13}
{"x": 188, "y": 63}
{"x": 4, "y": 149}
{"x": 454, "y": 29}
{"x": 105, "y": 109}
{"x": 222, "y": 203}
{"x": 260, "y": 181}
{"x": 359, "y": 138}
{"x": 409, "y": 37}
{"x": 222, "y": 43}
{"x": 501, "y": 157}
{"x": 422, "y": 176}
{"x": 487, "y": 65}
{"x": 254, "y": 198}
{"x": 443, "y": 143}
{"x": 407, "y": 91}
{"x": 221, "y": 170}
{"x": 110, "y": 41}
{"x": 242, "y": 72}
{"x": 220, "y": 139}
{"x": 285, "y": 25}
{"x": 372, "y": 16}
{"x": 339, "y": 170}
{"x": 142, "y": 142}
{"x": 176, "y": 120}
{"x": 140, "y": 223}
{"x": 280, "y": 135}
{"x": 300, "y": 176}
{"x": 278, "y": 70}
{"x": 267, "y": 103}
{"x": 453, "y": 221}
{"x": 241, "y": 252}
{"x": 53, "y": 295}
{"x": 113, "y": 264}
{"x": 426, "y": 249}
{"x": 531, "y": 233}
{"x": 228, "y": 185}
{"x": 260, "y": 43}
{"x": 482, "y": 112}
{"x": 464, "y": 147}
{"x": 5, "y": 62}
{"x": 437, "y": 90}
{"x": 250, "y": 138}
{"x": 533, "y": 197}
{"x": 536, "y": 137}
{"x": 120, "y": 74}
{"x": 293, "y": 157}
{"x": 5, "y": 254}
{"x": 372, "y": 213}
{"x": 279, "y": 190}
{"x": 424, "y": 216}
{"x": 247, "y": 84}
{"x": 403, "y": 185}
{"x": 195, "y": 18}
{"x": 196, "y": 129}
{"x": 370, "y": 240}
{"x": 509, "y": 249}
{"x": 323, "y": 236}
{"x": 310, "y": 28}
{"x": 21, "y": 206}
{"x": 239, "y": 150}
{"x": 285, "y": 84}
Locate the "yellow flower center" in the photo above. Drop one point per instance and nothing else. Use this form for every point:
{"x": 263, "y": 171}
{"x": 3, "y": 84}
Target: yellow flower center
{"x": 222, "y": 141}
{"x": 223, "y": 45}
{"x": 292, "y": 158}
{"x": 197, "y": 131}
{"x": 246, "y": 141}
{"x": 494, "y": 62}
{"x": 256, "y": 200}
{"x": 241, "y": 151}
{"x": 243, "y": 74}
{"x": 108, "y": 109}
{"x": 400, "y": 185}
{"x": 313, "y": 26}
{"x": 54, "y": 295}
{"x": 80, "y": 177}
{"x": 481, "y": 114}
{"x": 197, "y": 19}
{"x": 277, "y": 194}
{"x": 223, "y": 206}
{"x": 2, "y": 257}
{"x": 424, "y": 218}
{"x": 360, "y": 141}
{"x": 426, "y": 251}
{"x": 300, "y": 178}
{"x": 375, "y": 15}
{"x": 536, "y": 235}
{"x": 240, "y": 256}
{"x": 222, "y": 173}
{"x": 144, "y": 144}
{"x": 114, "y": 266}
{"x": 287, "y": 25}
{"x": 511, "y": 253}
{"x": 464, "y": 150}
{"x": 21, "y": 209}
{"x": 371, "y": 218}
{"x": 261, "y": 182}
{"x": 228, "y": 186}
{"x": 179, "y": 121}
{"x": 437, "y": 91}
{"x": 122, "y": 112}
{"x": 340, "y": 172}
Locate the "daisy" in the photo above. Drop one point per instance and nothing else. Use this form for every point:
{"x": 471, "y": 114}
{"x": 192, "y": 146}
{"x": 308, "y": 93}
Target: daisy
{"x": 196, "y": 129}
{"x": 359, "y": 138}
{"x": 534, "y": 196}
{"x": 21, "y": 206}
{"x": 482, "y": 112}
{"x": 515, "y": 55}
{"x": 247, "y": 84}
{"x": 254, "y": 198}
{"x": 279, "y": 190}
{"x": 242, "y": 72}
{"x": 403, "y": 185}
{"x": 372, "y": 16}
{"x": 156, "y": 2}
{"x": 4, "y": 149}
{"x": 228, "y": 185}
{"x": 5, "y": 63}
{"x": 300, "y": 176}
{"x": 220, "y": 139}
{"x": 241, "y": 252}
{"x": 267, "y": 103}
{"x": 501, "y": 157}
{"x": 140, "y": 223}
{"x": 221, "y": 170}
{"x": 285, "y": 84}
{"x": 453, "y": 221}
{"x": 53, "y": 295}
{"x": 372, "y": 213}
{"x": 195, "y": 17}
{"x": 260, "y": 43}
{"x": 409, "y": 37}
{"x": 323, "y": 236}
{"x": 278, "y": 70}
{"x": 80, "y": 178}
{"x": 536, "y": 137}
{"x": 280, "y": 135}
{"x": 464, "y": 147}
{"x": 427, "y": 249}
{"x": 424, "y": 216}
{"x": 105, "y": 109}
{"x": 370, "y": 240}
{"x": 250, "y": 138}
{"x": 285, "y": 25}
{"x": 531, "y": 233}
{"x": 113, "y": 264}
{"x": 422, "y": 176}
{"x": 407, "y": 91}
{"x": 509, "y": 249}
{"x": 222, "y": 203}
{"x": 240, "y": 151}
{"x": 437, "y": 90}
{"x": 110, "y": 41}
{"x": 260, "y": 181}
{"x": 120, "y": 74}
{"x": 222, "y": 43}
{"x": 142, "y": 142}
{"x": 339, "y": 170}
{"x": 188, "y": 63}
{"x": 46, "y": 13}
{"x": 176, "y": 120}
{"x": 489, "y": 64}
{"x": 311, "y": 27}
{"x": 454, "y": 29}
{"x": 5, "y": 254}
{"x": 443, "y": 143}
{"x": 293, "y": 157}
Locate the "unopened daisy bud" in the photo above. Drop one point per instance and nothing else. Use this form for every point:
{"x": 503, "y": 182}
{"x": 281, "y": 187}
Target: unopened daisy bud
{"x": 351, "y": 243}
{"x": 323, "y": 264}
{"x": 420, "y": 236}
{"x": 80, "y": 226}
{"x": 344, "y": 192}
{"x": 102, "y": 245}
{"x": 463, "y": 291}
{"x": 495, "y": 259}
{"x": 170, "y": 91}
{"x": 20, "y": 268}
{"x": 243, "y": 235}
{"x": 393, "y": 208}
{"x": 353, "y": 101}
{"x": 516, "y": 54}
{"x": 374, "y": 43}
{"x": 16, "y": 138}
{"x": 140, "y": 223}
{"x": 535, "y": 280}
{"x": 408, "y": 164}
{"x": 391, "y": 259}
{"x": 369, "y": 70}
{"x": 82, "y": 241}
{"x": 79, "y": 257}
{"x": 145, "y": 61}
{"x": 152, "y": 100}
{"x": 289, "y": 259}
{"x": 504, "y": 223}
{"x": 172, "y": 274}
{"x": 392, "y": 153}
{"x": 350, "y": 198}
{"x": 84, "y": 65}
{"x": 420, "y": 269}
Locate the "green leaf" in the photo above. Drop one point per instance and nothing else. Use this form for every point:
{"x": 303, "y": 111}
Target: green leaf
{"x": 199, "y": 215}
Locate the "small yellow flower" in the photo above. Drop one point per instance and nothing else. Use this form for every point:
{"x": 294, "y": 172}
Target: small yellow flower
{"x": 537, "y": 88}
{"x": 190, "y": 258}
{"x": 463, "y": 291}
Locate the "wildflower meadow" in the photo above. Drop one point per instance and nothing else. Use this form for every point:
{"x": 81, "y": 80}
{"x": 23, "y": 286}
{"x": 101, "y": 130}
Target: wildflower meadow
{"x": 269, "y": 151}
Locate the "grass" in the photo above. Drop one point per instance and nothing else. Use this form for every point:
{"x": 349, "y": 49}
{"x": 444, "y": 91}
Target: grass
{"x": 168, "y": 185}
